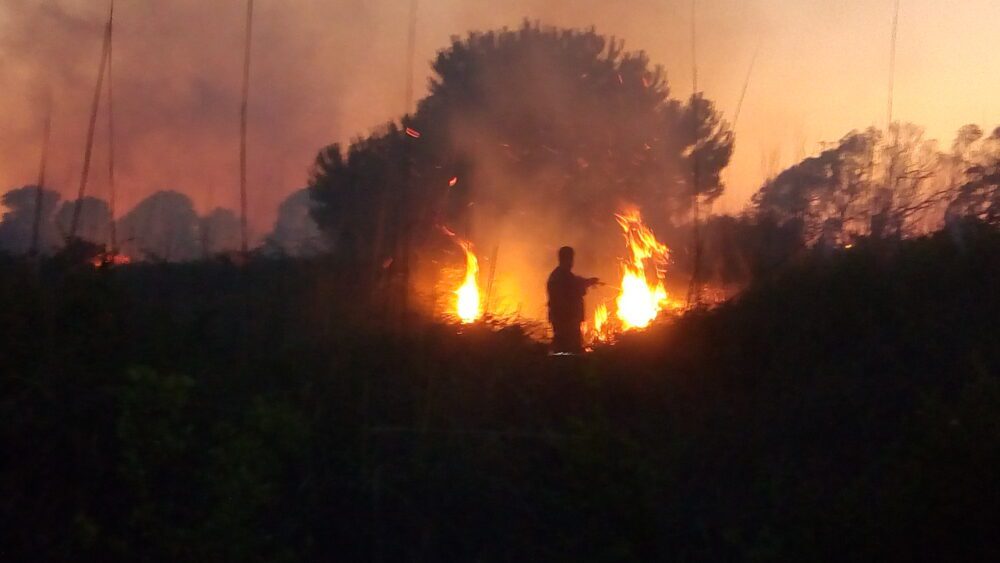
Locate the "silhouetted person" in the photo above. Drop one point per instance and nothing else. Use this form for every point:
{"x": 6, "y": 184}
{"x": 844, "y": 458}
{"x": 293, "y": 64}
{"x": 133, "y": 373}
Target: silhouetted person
{"x": 566, "y": 291}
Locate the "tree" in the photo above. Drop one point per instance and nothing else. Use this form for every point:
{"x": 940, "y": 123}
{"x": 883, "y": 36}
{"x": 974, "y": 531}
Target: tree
{"x": 539, "y": 121}
{"x": 164, "y": 226}
{"x": 979, "y": 195}
{"x": 891, "y": 184}
{"x": 18, "y": 220}
{"x": 95, "y": 219}
{"x": 220, "y": 232}
{"x": 824, "y": 192}
{"x": 295, "y": 231}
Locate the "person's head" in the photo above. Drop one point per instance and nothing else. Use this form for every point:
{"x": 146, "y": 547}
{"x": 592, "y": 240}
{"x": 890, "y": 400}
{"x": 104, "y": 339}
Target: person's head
{"x": 566, "y": 257}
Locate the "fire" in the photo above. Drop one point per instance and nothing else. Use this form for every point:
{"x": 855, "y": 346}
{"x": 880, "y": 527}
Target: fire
{"x": 601, "y": 321}
{"x": 468, "y": 305}
{"x": 110, "y": 259}
{"x": 642, "y": 294}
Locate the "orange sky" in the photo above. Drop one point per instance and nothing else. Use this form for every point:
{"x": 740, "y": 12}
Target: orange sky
{"x": 328, "y": 70}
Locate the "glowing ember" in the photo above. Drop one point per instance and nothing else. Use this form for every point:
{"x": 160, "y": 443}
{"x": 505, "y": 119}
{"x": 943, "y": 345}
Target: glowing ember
{"x": 413, "y": 132}
{"x": 453, "y": 182}
{"x": 110, "y": 259}
{"x": 468, "y": 305}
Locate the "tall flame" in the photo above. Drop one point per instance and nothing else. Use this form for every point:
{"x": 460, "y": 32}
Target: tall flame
{"x": 642, "y": 294}
{"x": 468, "y": 305}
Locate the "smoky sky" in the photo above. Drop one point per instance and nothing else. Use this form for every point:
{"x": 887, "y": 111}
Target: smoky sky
{"x": 328, "y": 70}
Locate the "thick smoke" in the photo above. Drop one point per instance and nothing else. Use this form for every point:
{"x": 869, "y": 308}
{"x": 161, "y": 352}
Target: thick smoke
{"x": 322, "y": 71}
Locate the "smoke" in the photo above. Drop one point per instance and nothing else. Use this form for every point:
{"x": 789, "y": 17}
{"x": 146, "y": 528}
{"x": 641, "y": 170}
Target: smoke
{"x": 327, "y": 71}
{"x": 322, "y": 72}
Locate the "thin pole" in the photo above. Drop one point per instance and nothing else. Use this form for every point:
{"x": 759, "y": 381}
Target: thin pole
{"x": 88, "y": 150}
{"x": 746, "y": 85}
{"x": 411, "y": 45}
{"x": 694, "y": 292}
{"x": 694, "y": 46}
{"x": 892, "y": 64}
{"x": 243, "y": 128}
{"x": 112, "y": 196}
{"x": 43, "y": 164}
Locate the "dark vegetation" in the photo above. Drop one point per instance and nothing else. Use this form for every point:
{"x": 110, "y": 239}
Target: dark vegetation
{"x": 844, "y": 408}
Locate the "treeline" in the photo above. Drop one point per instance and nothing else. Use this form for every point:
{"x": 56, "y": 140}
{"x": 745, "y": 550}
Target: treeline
{"x": 162, "y": 227}
{"x": 869, "y": 185}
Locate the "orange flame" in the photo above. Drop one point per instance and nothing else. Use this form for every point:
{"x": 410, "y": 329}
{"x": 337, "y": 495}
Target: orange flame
{"x": 642, "y": 294}
{"x": 468, "y": 305}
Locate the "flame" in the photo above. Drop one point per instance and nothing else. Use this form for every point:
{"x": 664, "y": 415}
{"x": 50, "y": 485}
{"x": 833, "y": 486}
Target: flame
{"x": 642, "y": 295}
{"x": 468, "y": 305}
{"x": 601, "y": 321}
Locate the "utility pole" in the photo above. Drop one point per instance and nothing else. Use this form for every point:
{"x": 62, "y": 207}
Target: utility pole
{"x": 243, "y": 128}
{"x": 43, "y": 164}
{"x": 88, "y": 150}
{"x": 694, "y": 289}
{"x": 112, "y": 196}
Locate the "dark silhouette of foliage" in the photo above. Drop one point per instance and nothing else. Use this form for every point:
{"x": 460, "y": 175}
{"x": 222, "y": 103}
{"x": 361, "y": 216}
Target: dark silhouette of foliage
{"x": 844, "y": 407}
{"x": 220, "y": 232}
{"x": 18, "y": 220}
{"x": 526, "y": 118}
{"x": 164, "y": 226}
{"x": 295, "y": 231}
{"x": 95, "y": 219}
{"x": 979, "y": 195}
{"x": 885, "y": 185}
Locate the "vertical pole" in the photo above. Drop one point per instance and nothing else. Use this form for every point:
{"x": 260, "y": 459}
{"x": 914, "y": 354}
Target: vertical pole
{"x": 88, "y": 150}
{"x": 746, "y": 85}
{"x": 694, "y": 291}
{"x": 43, "y": 164}
{"x": 404, "y": 245}
{"x": 112, "y": 196}
{"x": 892, "y": 64}
{"x": 243, "y": 129}
{"x": 411, "y": 45}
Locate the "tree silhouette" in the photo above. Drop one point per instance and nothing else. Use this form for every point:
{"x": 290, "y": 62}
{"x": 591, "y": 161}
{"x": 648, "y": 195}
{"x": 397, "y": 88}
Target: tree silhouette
{"x": 295, "y": 231}
{"x": 220, "y": 232}
{"x": 16, "y": 223}
{"x": 534, "y": 117}
{"x": 884, "y": 184}
{"x": 164, "y": 226}
{"x": 94, "y": 220}
{"x": 979, "y": 195}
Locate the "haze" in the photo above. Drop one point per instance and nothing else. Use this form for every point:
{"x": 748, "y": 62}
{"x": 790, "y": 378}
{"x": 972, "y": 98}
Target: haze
{"x": 325, "y": 71}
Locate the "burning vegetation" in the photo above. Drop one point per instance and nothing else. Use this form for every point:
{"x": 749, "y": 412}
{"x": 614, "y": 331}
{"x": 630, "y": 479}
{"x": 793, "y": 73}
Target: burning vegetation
{"x": 468, "y": 302}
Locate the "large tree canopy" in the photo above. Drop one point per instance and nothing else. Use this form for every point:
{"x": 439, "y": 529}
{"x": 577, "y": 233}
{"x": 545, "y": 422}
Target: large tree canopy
{"x": 518, "y": 120}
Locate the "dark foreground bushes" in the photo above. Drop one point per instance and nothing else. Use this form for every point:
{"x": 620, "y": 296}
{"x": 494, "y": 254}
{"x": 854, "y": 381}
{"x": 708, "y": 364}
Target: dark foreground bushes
{"x": 848, "y": 408}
